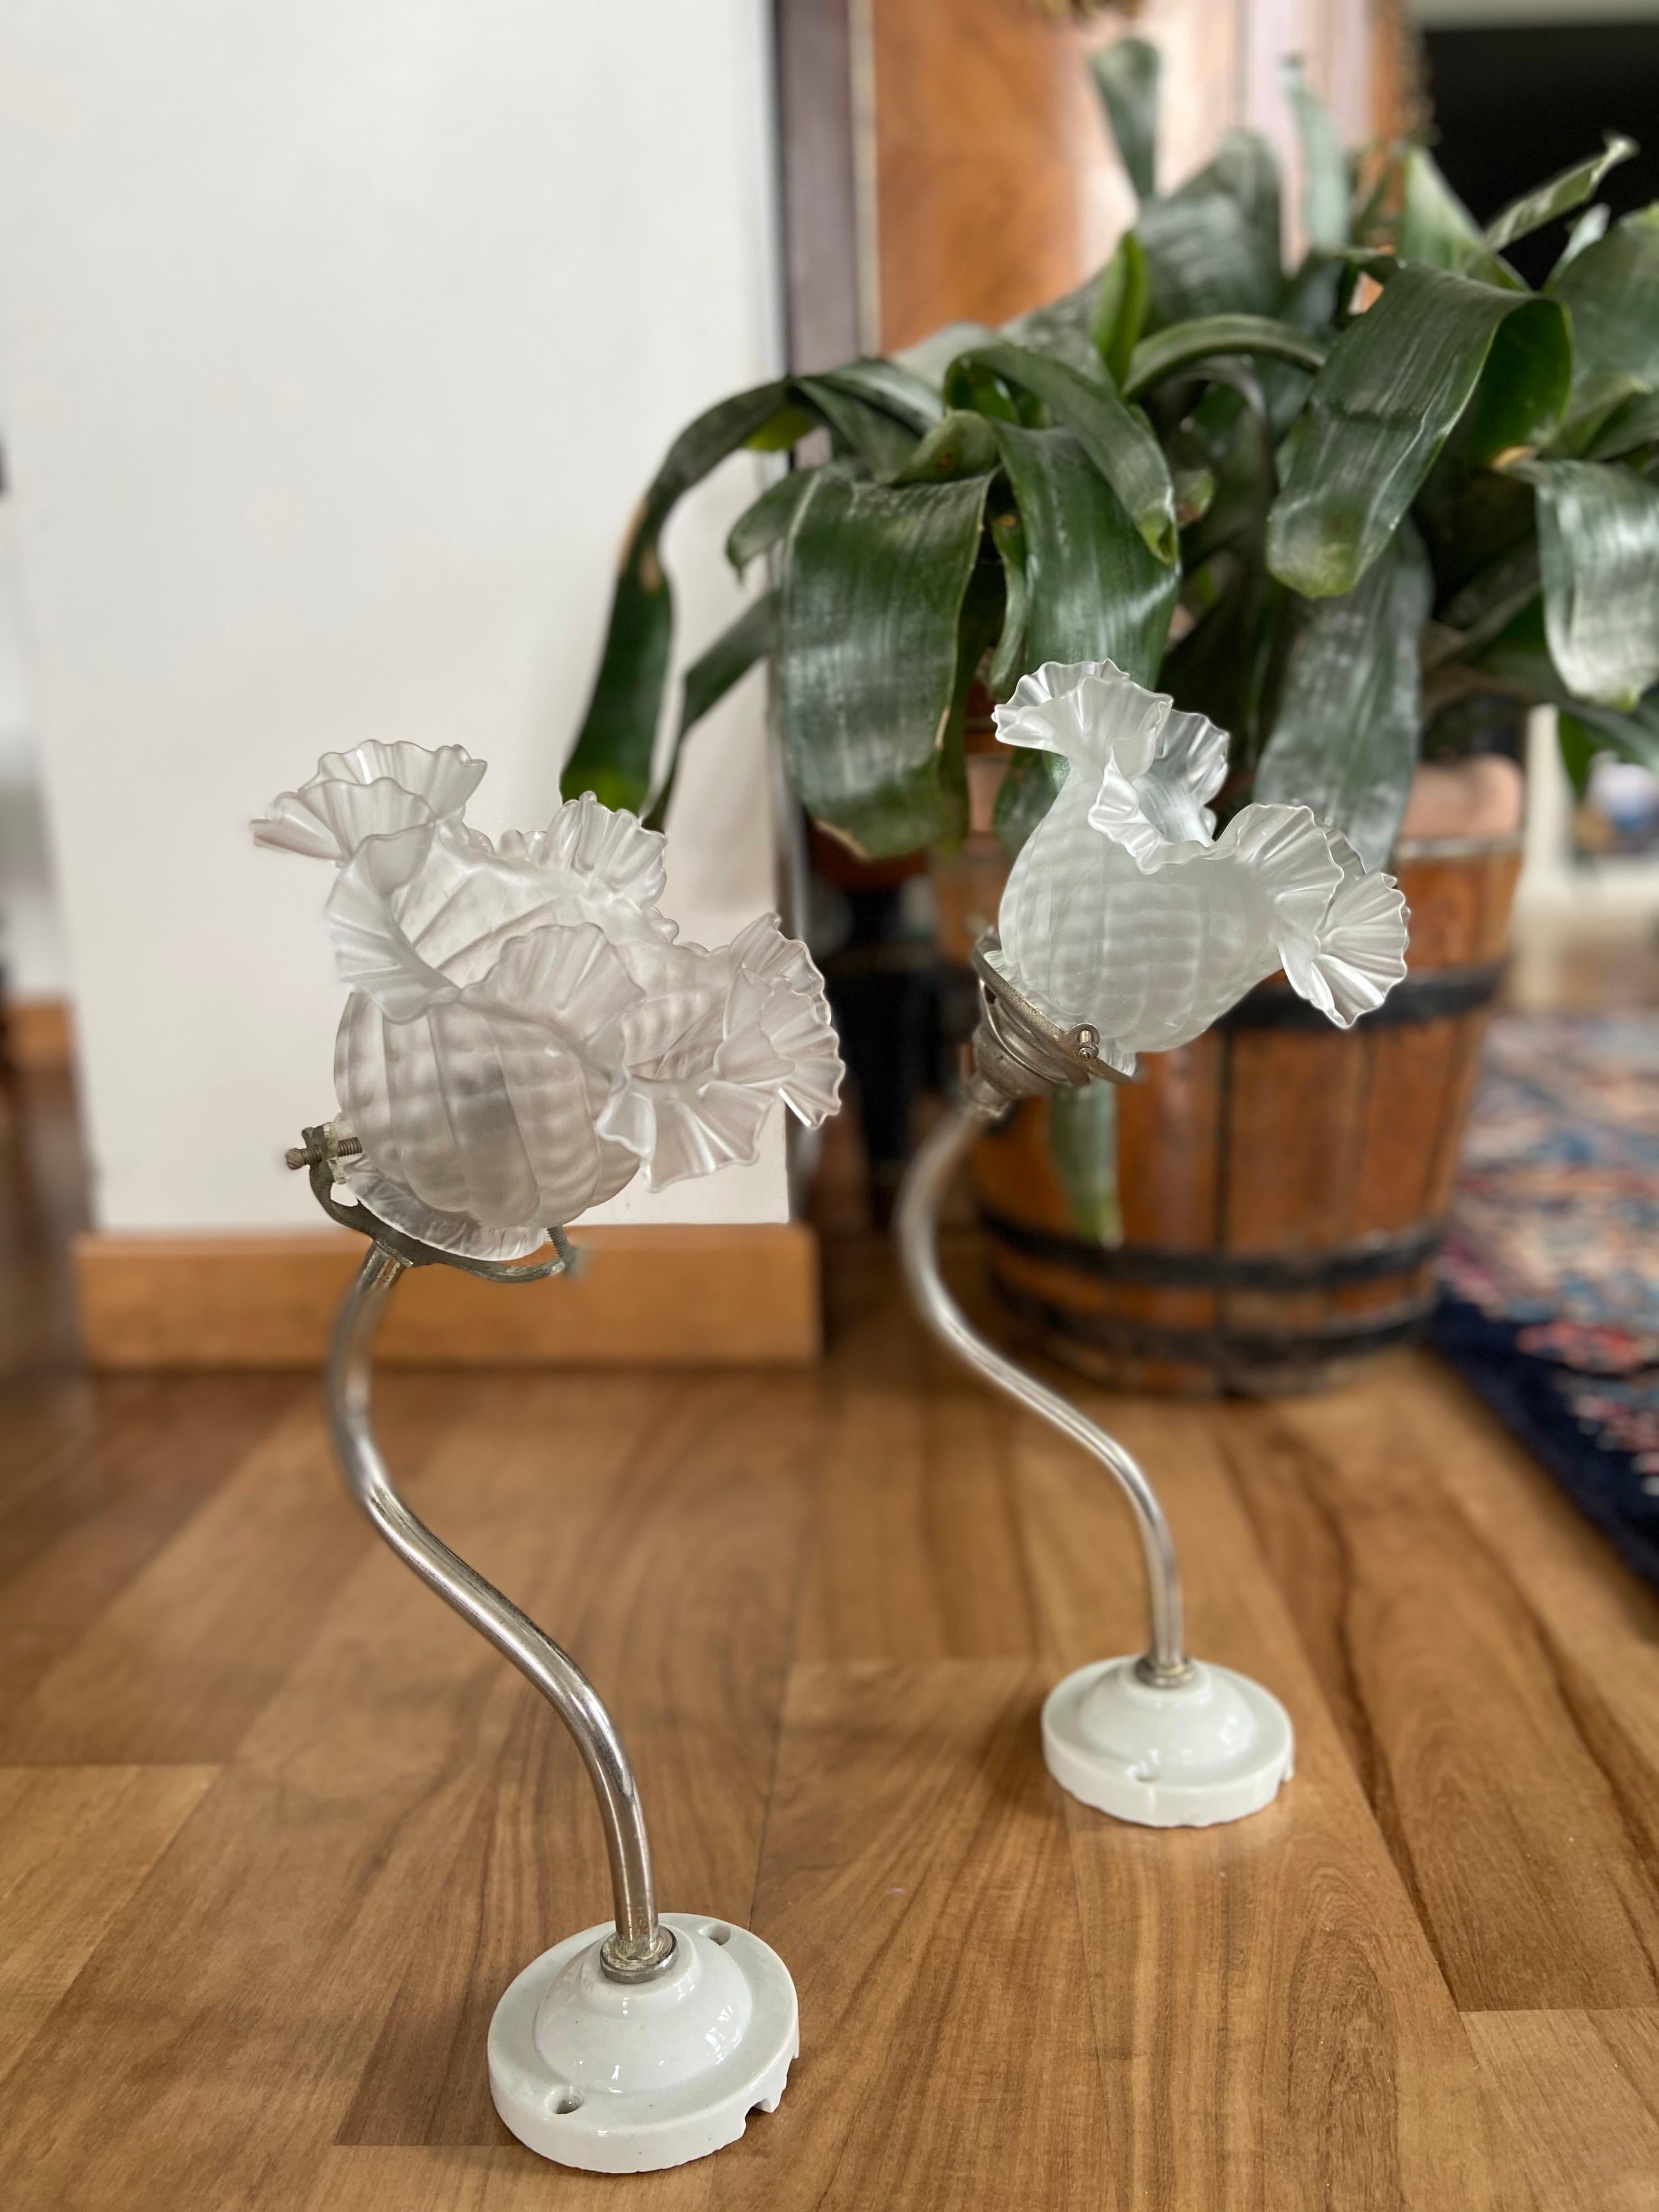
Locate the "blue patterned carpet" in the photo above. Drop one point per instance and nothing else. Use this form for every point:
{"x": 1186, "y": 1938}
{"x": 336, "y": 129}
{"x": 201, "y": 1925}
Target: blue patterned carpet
{"x": 1550, "y": 1282}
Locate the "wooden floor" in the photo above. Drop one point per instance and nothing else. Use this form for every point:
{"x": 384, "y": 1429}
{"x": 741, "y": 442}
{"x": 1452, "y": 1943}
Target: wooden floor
{"x": 276, "y": 1829}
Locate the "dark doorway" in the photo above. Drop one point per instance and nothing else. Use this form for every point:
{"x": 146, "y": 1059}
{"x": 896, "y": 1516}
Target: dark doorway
{"x": 1515, "y": 104}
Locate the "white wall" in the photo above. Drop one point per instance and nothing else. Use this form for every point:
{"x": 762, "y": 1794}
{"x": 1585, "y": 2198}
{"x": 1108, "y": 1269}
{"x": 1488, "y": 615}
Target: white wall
{"x": 31, "y": 941}
{"x": 336, "y": 341}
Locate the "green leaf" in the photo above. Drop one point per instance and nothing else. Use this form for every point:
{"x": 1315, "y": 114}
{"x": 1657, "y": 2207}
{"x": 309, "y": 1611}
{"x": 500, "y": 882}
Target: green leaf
{"x": 1094, "y": 591}
{"x": 1634, "y": 424}
{"x": 898, "y": 391}
{"x": 1082, "y": 1145}
{"x": 977, "y": 634}
{"x": 1598, "y": 398}
{"x": 1612, "y": 291}
{"x": 1598, "y": 540}
{"x": 1063, "y": 329}
{"x": 727, "y": 661}
{"x": 1324, "y": 162}
{"x": 1384, "y": 404}
{"x": 1121, "y": 303}
{"x": 1125, "y": 77}
{"x": 1519, "y": 663}
{"x": 1484, "y": 607}
{"x": 1632, "y": 737}
{"x": 1471, "y": 518}
{"x": 1349, "y": 728}
{"x": 1591, "y": 226}
{"x": 1372, "y": 222}
{"x": 929, "y": 357}
{"x": 1437, "y": 231}
{"x": 1309, "y": 306}
{"x": 1228, "y": 433}
{"x": 961, "y": 445}
{"x": 1212, "y": 246}
{"x": 1194, "y": 487}
{"x": 764, "y": 525}
{"x": 877, "y": 437}
{"x": 1579, "y": 746}
{"x": 1118, "y": 442}
{"x": 1559, "y": 196}
{"x": 1220, "y": 668}
{"x": 874, "y": 581}
{"x": 973, "y": 386}
{"x": 1006, "y": 666}
{"x": 614, "y": 748}
{"x": 1184, "y": 346}
{"x": 784, "y": 429}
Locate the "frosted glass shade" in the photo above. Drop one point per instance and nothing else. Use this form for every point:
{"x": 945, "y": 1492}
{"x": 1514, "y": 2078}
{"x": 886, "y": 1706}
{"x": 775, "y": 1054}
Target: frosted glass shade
{"x": 1126, "y": 911}
{"x": 524, "y": 1031}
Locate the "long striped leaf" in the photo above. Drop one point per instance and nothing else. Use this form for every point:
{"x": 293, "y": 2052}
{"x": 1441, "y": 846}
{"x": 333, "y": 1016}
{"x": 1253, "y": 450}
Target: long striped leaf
{"x": 1519, "y": 663}
{"x": 874, "y": 580}
{"x": 1221, "y": 667}
{"x": 1093, "y": 591}
{"x": 1612, "y": 291}
{"x": 1063, "y": 329}
{"x": 1125, "y": 76}
{"x": 614, "y": 749}
{"x": 712, "y": 675}
{"x": 1631, "y": 424}
{"x": 1437, "y": 231}
{"x": 1599, "y": 400}
{"x": 1346, "y": 736}
{"x": 1213, "y": 246}
{"x": 861, "y": 426}
{"x": 909, "y": 398}
{"x": 1584, "y": 731}
{"x": 1483, "y": 607}
{"x": 1228, "y": 433}
{"x": 959, "y": 445}
{"x": 1184, "y": 346}
{"x": 1121, "y": 303}
{"x": 1325, "y": 191}
{"x": 1120, "y": 443}
{"x": 1006, "y": 665}
{"x": 1590, "y": 227}
{"x": 765, "y": 524}
{"x": 1598, "y": 542}
{"x": 877, "y": 409}
{"x": 1558, "y": 197}
{"x": 1386, "y": 401}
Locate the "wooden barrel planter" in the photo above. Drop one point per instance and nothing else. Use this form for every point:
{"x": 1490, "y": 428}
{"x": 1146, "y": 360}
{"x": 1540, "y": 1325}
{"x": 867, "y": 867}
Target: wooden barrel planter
{"x": 1262, "y": 1209}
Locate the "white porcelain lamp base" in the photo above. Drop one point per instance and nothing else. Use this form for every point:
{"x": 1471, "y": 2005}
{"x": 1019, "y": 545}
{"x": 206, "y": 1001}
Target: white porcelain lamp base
{"x": 1213, "y": 1749}
{"x": 623, "y": 2078}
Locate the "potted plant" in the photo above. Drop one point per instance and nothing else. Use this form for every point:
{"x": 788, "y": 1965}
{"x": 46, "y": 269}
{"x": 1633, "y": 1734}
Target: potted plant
{"x": 1355, "y": 512}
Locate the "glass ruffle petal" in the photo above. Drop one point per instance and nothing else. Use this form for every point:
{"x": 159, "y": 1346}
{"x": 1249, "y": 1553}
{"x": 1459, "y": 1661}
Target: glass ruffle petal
{"x": 524, "y": 1031}
{"x": 1124, "y": 911}
{"x": 371, "y": 791}
{"x": 446, "y": 778}
{"x": 449, "y": 1232}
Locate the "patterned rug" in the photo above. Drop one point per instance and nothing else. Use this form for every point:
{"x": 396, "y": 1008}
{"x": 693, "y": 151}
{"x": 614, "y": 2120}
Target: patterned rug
{"x": 1550, "y": 1298}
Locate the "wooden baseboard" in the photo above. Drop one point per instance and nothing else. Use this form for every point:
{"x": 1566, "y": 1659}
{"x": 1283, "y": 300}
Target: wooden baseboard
{"x": 740, "y": 1296}
{"x": 38, "y": 1033}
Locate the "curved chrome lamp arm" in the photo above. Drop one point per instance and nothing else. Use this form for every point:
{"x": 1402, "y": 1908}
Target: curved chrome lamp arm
{"x": 641, "y": 1948}
{"x": 1016, "y": 1053}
